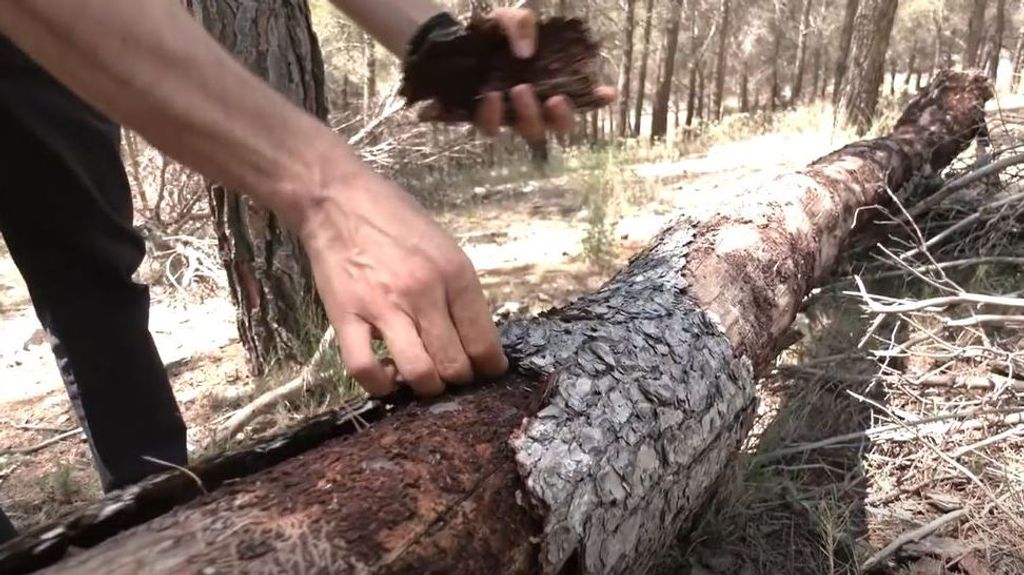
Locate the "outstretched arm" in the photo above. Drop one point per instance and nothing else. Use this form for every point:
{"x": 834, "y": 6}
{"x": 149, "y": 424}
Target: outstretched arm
{"x": 394, "y": 22}
{"x": 381, "y": 264}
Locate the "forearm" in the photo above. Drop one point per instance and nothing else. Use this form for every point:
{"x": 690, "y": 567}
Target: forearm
{"x": 390, "y": 22}
{"x": 151, "y": 67}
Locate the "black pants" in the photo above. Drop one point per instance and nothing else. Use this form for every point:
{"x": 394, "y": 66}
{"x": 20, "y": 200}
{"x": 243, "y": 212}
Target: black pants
{"x": 66, "y": 216}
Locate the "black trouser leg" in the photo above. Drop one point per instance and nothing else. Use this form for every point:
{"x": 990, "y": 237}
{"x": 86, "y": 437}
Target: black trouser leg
{"x": 66, "y": 214}
{"x": 6, "y": 529}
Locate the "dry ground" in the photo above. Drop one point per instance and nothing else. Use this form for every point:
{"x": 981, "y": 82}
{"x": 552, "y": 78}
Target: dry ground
{"x": 812, "y": 511}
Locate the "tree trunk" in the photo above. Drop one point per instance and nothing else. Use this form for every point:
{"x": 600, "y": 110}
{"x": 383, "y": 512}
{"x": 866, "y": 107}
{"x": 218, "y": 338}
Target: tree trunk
{"x": 691, "y": 96}
{"x": 279, "y": 316}
{"x": 975, "y": 29}
{"x": 722, "y": 62}
{"x": 801, "y": 51}
{"x": 937, "y": 17}
{"x": 344, "y": 93}
{"x": 776, "y": 88}
{"x": 621, "y": 414}
{"x": 871, "y": 35}
{"x": 675, "y": 110}
{"x": 641, "y": 85}
{"x": 626, "y": 69}
{"x": 370, "y": 85}
{"x": 700, "y": 93}
{"x": 911, "y": 66}
{"x": 997, "y": 40}
{"x": 745, "y": 89}
{"x": 815, "y": 70}
{"x": 843, "y": 55}
{"x": 825, "y": 57}
{"x": 1018, "y": 62}
{"x": 659, "y": 121}
{"x": 892, "y": 77}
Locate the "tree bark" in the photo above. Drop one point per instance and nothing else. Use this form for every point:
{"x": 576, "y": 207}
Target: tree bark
{"x": 279, "y": 316}
{"x": 722, "y": 61}
{"x": 626, "y": 69}
{"x": 623, "y": 410}
{"x": 872, "y": 31}
{"x": 997, "y": 40}
{"x": 975, "y": 29}
{"x": 641, "y": 84}
{"x": 843, "y": 55}
{"x": 801, "y": 51}
{"x": 659, "y": 120}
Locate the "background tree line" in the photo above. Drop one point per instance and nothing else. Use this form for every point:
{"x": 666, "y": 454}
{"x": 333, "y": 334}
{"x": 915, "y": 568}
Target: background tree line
{"x": 680, "y": 67}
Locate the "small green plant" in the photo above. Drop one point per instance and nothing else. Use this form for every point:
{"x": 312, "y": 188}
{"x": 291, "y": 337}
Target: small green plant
{"x": 598, "y": 189}
{"x": 62, "y": 484}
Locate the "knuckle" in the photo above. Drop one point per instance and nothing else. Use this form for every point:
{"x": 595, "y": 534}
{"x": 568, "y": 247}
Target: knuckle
{"x": 362, "y": 369}
{"x": 457, "y": 269}
{"x": 421, "y": 373}
{"x": 481, "y": 347}
{"x": 418, "y": 280}
{"x": 455, "y": 371}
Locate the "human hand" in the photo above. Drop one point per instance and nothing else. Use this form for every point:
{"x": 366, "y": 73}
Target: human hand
{"x": 533, "y": 118}
{"x": 386, "y": 270}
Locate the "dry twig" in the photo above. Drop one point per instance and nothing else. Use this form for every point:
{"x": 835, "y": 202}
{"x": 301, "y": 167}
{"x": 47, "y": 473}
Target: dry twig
{"x": 312, "y": 372}
{"x": 42, "y": 444}
{"x": 910, "y": 537}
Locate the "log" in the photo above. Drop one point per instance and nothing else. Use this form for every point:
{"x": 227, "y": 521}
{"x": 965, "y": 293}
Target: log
{"x": 621, "y": 412}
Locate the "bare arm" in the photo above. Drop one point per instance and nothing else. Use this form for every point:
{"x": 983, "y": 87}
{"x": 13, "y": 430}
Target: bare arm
{"x": 152, "y": 67}
{"x": 394, "y": 22}
{"x": 390, "y": 22}
{"x": 381, "y": 264}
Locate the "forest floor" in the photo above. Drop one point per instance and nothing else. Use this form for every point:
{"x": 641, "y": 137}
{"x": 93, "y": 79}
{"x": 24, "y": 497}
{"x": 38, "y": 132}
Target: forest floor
{"x": 529, "y": 240}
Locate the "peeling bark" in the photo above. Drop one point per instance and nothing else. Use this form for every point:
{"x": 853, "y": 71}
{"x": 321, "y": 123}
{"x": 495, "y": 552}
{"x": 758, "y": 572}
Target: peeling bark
{"x": 623, "y": 410}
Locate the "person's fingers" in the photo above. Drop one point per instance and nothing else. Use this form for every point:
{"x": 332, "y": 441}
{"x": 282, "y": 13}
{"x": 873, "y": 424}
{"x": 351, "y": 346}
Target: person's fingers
{"x": 520, "y": 25}
{"x": 558, "y": 112}
{"x": 529, "y": 120}
{"x": 411, "y": 358}
{"x": 606, "y": 94}
{"x": 355, "y": 340}
{"x": 472, "y": 318}
{"x": 488, "y": 113}
{"x": 442, "y": 342}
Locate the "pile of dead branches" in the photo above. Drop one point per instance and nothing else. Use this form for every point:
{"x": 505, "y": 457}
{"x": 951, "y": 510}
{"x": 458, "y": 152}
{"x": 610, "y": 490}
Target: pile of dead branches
{"x": 944, "y": 300}
{"x": 891, "y": 435}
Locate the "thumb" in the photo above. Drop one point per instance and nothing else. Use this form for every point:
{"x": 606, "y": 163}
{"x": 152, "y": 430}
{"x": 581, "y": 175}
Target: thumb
{"x": 520, "y": 25}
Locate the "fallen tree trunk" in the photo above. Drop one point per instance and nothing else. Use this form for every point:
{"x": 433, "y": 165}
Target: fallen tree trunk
{"x": 622, "y": 411}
